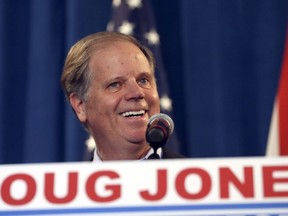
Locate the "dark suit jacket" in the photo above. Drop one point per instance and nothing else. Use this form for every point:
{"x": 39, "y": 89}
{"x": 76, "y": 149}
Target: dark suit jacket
{"x": 167, "y": 154}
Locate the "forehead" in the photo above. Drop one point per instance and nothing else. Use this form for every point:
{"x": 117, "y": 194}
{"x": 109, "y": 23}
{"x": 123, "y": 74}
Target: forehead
{"x": 115, "y": 47}
{"x": 116, "y": 54}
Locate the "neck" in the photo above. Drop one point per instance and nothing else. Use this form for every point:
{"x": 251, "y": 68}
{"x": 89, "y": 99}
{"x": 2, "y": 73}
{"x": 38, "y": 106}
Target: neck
{"x": 134, "y": 152}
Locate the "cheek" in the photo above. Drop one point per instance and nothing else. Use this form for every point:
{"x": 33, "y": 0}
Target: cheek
{"x": 94, "y": 104}
{"x": 154, "y": 101}
{"x": 103, "y": 104}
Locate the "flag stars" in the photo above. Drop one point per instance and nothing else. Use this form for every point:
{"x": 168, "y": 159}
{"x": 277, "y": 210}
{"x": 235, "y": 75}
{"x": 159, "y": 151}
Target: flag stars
{"x": 116, "y": 3}
{"x": 110, "y": 26}
{"x": 126, "y": 28}
{"x": 153, "y": 37}
{"x": 90, "y": 144}
{"x": 132, "y": 4}
{"x": 166, "y": 103}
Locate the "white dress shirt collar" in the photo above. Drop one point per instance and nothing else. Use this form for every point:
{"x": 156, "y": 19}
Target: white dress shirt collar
{"x": 96, "y": 157}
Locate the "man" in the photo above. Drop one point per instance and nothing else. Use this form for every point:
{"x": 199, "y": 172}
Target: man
{"x": 108, "y": 78}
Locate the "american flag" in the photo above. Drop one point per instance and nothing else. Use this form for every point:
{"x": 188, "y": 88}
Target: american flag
{"x": 277, "y": 144}
{"x": 136, "y": 18}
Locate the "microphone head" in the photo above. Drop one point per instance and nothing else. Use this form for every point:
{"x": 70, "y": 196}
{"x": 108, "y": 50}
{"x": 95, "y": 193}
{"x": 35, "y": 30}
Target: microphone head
{"x": 160, "y": 127}
{"x": 162, "y": 117}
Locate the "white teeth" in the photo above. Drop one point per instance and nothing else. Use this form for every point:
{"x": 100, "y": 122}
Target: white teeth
{"x": 133, "y": 113}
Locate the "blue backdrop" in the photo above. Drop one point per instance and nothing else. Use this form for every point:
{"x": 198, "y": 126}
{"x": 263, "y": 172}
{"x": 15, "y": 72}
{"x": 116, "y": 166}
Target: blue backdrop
{"x": 222, "y": 59}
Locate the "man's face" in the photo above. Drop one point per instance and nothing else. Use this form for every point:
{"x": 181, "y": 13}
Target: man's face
{"x": 122, "y": 96}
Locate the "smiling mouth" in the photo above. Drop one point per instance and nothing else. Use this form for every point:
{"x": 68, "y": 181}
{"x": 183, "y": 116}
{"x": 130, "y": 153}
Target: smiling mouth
{"x": 133, "y": 114}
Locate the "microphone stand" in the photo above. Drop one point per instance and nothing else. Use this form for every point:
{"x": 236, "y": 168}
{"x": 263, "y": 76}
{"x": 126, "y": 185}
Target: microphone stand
{"x": 154, "y": 155}
{"x": 156, "y": 139}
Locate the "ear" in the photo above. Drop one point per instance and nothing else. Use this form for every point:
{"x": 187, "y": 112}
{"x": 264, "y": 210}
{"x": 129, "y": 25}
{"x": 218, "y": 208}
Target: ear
{"x": 78, "y": 106}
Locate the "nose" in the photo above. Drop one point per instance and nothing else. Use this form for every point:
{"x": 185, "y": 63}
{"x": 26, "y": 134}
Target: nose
{"x": 134, "y": 91}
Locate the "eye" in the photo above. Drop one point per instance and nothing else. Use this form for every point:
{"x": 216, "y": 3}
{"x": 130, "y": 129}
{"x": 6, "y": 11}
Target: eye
{"x": 114, "y": 86}
{"x": 144, "y": 81}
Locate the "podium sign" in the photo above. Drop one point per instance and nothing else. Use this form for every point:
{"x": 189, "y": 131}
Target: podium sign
{"x": 227, "y": 186}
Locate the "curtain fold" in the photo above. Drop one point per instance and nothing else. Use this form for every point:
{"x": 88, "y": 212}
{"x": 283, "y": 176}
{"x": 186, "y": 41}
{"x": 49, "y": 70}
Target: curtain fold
{"x": 232, "y": 57}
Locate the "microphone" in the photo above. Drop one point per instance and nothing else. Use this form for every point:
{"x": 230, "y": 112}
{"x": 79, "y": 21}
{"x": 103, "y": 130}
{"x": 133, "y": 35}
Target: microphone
{"x": 160, "y": 127}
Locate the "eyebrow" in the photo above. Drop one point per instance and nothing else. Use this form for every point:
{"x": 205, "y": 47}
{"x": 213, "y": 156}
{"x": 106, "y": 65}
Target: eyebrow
{"x": 124, "y": 77}
{"x": 145, "y": 73}
{"x": 113, "y": 79}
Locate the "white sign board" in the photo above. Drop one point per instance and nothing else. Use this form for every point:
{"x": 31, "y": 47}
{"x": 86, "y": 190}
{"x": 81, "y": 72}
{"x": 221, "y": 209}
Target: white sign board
{"x": 230, "y": 186}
